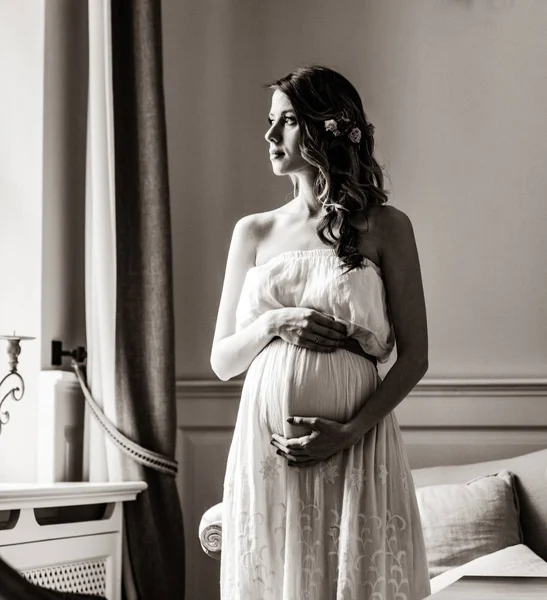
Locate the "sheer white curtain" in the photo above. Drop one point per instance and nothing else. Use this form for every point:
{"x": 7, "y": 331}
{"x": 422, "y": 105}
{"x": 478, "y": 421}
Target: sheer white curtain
{"x": 130, "y": 309}
{"x": 102, "y": 460}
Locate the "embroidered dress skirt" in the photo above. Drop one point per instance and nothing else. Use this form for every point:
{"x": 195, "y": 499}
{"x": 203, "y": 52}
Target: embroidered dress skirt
{"x": 347, "y": 528}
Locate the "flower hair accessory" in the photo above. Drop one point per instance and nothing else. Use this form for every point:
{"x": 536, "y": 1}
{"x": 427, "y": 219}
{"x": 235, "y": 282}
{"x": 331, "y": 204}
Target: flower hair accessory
{"x": 369, "y": 129}
{"x": 340, "y": 125}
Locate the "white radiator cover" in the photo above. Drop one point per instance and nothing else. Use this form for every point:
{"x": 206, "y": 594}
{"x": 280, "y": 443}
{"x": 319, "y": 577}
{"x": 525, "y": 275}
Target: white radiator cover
{"x": 82, "y": 577}
{"x": 75, "y": 555}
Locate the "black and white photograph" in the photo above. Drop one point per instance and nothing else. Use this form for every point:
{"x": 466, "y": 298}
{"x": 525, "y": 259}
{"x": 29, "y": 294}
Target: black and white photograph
{"x": 273, "y": 320}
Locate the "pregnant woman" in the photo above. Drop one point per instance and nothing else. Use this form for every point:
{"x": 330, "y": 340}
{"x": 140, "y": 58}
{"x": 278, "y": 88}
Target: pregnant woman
{"x": 319, "y": 502}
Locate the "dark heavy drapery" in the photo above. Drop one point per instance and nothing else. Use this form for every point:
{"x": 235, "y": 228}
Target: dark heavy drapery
{"x": 145, "y": 378}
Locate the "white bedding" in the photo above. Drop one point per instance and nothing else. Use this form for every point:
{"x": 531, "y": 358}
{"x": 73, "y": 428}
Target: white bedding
{"x": 516, "y": 560}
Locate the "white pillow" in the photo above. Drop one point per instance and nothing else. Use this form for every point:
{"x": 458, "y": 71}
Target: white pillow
{"x": 513, "y": 561}
{"x": 466, "y": 520}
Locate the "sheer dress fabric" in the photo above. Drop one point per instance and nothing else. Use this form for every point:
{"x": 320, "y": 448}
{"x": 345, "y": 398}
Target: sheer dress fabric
{"x": 347, "y": 528}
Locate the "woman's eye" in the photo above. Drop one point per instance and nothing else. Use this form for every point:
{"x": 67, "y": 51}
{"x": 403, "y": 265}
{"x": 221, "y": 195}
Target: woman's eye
{"x": 290, "y": 120}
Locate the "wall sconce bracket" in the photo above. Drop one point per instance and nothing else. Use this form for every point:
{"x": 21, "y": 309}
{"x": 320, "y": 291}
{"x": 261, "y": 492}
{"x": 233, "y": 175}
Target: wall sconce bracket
{"x": 57, "y": 353}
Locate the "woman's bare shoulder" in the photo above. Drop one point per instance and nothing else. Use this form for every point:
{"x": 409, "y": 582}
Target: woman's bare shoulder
{"x": 381, "y": 223}
{"x": 258, "y": 222}
{"x": 389, "y": 223}
{"x": 396, "y": 235}
{"x": 388, "y": 217}
{"x": 254, "y": 227}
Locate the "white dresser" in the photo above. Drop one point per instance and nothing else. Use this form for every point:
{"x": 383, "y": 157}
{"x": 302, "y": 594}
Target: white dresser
{"x": 66, "y": 536}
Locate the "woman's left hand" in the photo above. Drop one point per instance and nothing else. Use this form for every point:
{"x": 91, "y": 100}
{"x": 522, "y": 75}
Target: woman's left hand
{"x": 326, "y": 439}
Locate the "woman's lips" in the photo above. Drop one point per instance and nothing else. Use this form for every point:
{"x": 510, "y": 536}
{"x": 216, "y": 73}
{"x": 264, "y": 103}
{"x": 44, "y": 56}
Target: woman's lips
{"x": 276, "y": 155}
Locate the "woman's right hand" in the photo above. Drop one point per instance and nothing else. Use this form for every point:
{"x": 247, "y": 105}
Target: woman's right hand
{"x": 299, "y": 326}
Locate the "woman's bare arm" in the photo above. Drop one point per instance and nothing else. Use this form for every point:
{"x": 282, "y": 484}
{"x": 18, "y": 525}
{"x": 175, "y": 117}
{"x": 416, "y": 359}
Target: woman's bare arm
{"x": 403, "y": 282}
{"x": 232, "y": 352}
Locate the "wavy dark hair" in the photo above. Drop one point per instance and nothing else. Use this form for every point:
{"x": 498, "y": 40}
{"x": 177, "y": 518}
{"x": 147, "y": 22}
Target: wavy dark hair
{"x": 349, "y": 179}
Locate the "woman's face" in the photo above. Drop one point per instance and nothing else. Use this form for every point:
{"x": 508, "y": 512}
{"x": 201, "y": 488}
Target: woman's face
{"x": 283, "y": 137}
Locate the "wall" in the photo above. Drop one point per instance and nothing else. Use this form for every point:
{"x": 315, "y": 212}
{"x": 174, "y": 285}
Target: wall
{"x": 456, "y": 91}
{"x": 42, "y": 168}
{"x": 21, "y": 115}
{"x": 65, "y": 110}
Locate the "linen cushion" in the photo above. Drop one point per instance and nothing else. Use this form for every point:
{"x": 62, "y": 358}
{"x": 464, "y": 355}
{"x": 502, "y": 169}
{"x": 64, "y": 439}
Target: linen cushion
{"x": 513, "y": 561}
{"x": 464, "y": 521}
{"x": 529, "y": 472}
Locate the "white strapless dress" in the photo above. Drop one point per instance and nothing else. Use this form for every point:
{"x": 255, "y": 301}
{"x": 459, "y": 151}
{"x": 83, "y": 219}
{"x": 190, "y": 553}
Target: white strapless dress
{"x": 347, "y": 528}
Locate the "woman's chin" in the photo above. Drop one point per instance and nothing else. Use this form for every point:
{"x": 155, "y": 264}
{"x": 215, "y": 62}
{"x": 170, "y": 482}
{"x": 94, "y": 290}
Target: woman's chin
{"x": 277, "y": 170}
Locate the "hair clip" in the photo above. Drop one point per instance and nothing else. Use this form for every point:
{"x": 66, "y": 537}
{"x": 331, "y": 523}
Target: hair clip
{"x": 341, "y": 125}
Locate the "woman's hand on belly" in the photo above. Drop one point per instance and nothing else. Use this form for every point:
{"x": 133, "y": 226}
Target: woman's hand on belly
{"x": 308, "y": 328}
{"x": 326, "y": 439}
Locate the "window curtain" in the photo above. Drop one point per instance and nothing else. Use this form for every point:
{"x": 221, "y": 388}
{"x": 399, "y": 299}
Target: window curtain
{"x": 129, "y": 306}
{"x": 129, "y": 296}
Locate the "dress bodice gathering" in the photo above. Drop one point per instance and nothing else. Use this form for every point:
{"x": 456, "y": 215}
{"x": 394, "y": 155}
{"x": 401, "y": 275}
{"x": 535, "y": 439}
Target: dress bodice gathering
{"x": 315, "y": 279}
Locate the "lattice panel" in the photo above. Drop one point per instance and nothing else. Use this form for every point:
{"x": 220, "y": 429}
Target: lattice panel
{"x": 88, "y": 577}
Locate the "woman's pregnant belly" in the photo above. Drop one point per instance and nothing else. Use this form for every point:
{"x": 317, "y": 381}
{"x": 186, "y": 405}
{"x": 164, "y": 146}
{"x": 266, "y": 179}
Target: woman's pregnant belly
{"x": 287, "y": 380}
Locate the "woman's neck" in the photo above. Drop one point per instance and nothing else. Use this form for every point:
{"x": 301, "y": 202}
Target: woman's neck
{"x": 306, "y": 203}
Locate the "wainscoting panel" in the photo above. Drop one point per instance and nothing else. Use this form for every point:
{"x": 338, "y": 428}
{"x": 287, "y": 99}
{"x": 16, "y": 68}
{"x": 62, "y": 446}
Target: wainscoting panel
{"x": 443, "y": 422}
{"x": 201, "y": 454}
{"x": 446, "y": 422}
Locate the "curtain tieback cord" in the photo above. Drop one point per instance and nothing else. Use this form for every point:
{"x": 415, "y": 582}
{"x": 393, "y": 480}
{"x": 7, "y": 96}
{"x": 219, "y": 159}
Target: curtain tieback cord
{"x": 137, "y": 453}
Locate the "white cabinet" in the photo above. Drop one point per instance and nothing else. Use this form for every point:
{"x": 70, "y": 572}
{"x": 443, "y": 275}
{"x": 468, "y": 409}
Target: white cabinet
{"x": 56, "y": 545}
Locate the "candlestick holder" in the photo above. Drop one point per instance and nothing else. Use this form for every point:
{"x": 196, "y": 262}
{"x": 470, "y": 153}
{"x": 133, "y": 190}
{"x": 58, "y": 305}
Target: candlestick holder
{"x": 16, "y": 392}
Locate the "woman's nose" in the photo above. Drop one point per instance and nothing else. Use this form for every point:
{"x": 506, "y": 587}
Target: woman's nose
{"x": 273, "y": 134}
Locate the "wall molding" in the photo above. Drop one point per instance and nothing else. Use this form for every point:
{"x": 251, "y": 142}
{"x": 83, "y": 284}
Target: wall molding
{"x": 433, "y": 403}
{"x": 536, "y": 386}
